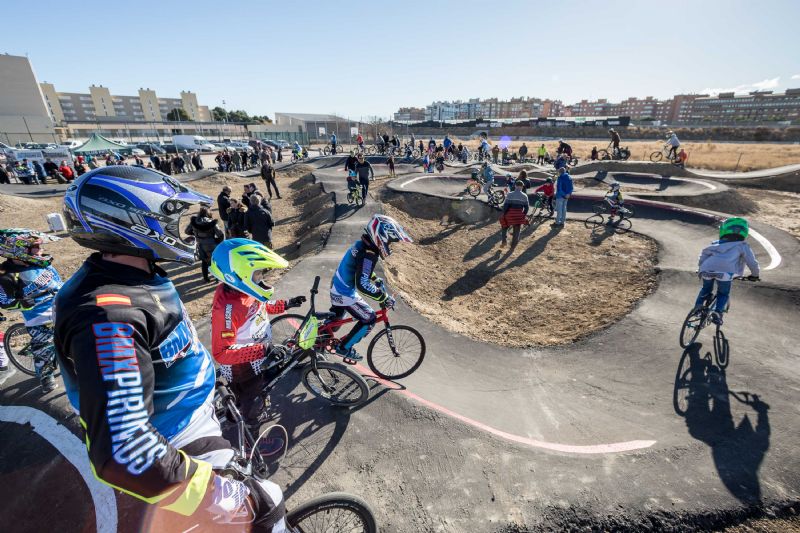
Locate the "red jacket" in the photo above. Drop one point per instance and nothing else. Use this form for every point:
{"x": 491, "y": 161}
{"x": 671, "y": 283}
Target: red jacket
{"x": 240, "y": 331}
{"x": 66, "y": 172}
{"x": 548, "y": 189}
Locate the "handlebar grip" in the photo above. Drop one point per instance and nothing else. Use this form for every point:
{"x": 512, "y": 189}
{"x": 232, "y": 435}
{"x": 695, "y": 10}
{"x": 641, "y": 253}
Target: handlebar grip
{"x": 316, "y": 285}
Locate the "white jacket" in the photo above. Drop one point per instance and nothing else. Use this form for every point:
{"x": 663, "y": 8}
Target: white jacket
{"x": 727, "y": 257}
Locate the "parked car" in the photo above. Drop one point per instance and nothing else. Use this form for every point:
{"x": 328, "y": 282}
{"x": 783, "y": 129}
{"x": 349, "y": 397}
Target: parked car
{"x": 192, "y": 142}
{"x": 282, "y": 144}
{"x": 219, "y": 147}
{"x": 169, "y": 148}
{"x": 138, "y": 151}
{"x": 240, "y": 145}
{"x": 71, "y": 144}
{"x": 150, "y": 148}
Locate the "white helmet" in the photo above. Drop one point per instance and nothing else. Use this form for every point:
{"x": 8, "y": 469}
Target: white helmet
{"x": 383, "y": 230}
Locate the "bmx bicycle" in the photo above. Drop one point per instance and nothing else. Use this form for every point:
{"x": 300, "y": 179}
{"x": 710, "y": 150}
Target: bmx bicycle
{"x": 496, "y": 196}
{"x": 394, "y": 352}
{"x": 600, "y": 210}
{"x": 333, "y": 512}
{"x": 540, "y": 208}
{"x": 354, "y": 196}
{"x": 17, "y": 345}
{"x": 699, "y": 318}
{"x": 608, "y": 154}
{"x": 665, "y": 153}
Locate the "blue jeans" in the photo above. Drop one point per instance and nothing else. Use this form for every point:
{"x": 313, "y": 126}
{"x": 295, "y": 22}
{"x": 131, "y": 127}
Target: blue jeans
{"x": 561, "y": 210}
{"x": 723, "y": 293}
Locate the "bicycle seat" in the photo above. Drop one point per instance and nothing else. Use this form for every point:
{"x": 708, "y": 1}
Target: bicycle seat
{"x": 324, "y": 316}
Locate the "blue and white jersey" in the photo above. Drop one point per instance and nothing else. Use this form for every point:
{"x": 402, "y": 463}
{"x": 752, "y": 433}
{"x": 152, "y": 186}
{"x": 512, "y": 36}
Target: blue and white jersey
{"x": 355, "y": 274}
{"x": 31, "y": 290}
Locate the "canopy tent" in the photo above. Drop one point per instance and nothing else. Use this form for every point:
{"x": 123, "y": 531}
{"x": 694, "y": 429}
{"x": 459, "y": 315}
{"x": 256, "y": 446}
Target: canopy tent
{"x": 99, "y": 144}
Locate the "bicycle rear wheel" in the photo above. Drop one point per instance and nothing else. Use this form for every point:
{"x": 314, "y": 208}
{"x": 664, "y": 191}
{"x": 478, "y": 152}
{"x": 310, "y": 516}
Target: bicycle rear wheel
{"x": 498, "y": 197}
{"x": 17, "y": 342}
{"x": 626, "y": 212}
{"x": 623, "y": 225}
{"x": 284, "y": 327}
{"x": 691, "y": 327}
{"x": 336, "y": 383}
{"x": 396, "y": 352}
{"x": 332, "y": 513}
{"x": 603, "y": 155}
{"x": 655, "y": 157}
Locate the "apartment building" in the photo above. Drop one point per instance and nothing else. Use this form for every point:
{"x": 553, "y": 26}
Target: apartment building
{"x": 765, "y": 107}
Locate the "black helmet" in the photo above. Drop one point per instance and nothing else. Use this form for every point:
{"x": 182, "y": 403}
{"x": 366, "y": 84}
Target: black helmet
{"x": 132, "y": 211}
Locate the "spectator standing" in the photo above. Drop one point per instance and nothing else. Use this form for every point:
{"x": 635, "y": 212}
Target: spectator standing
{"x": 279, "y": 152}
{"x": 37, "y": 168}
{"x": 187, "y": 161}
{"x": 236, "y": 219}
{"x": 594, "y": 155}
{"x": 540, "y": 155}
{"x": 495, "y": 153}
{"x": 263, "y": 156}
{"x": 254, "y": 159}
{"x": 258, "y": 221}
{"x": 563, "y": 192}
{"x": 268, "y": 175}
{"x": 236, "y": 160}
{"x": 248, "y": 189}
{"x": 178, "y": 164}
{"x": 196, "y": 161}
{"x": 350, "y": 162}
{"x": 223, "y": 204}
{"x": 4, "y": 177}
{"x": 365, "y": 172}
{"x": 523, "y": 152}
{"x": 390, "y": 162}
{"x": 204, "y": 228}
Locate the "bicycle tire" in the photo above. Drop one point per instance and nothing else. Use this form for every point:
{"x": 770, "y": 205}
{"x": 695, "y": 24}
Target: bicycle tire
{"x": 698, "y": 319}
{"x": 415, "y": 153}
{"x": 376, "y": 363}
{"x": 474, "y": 189}
{"x": 285, "y": 326}
{"x": 603, "y": 155}
{"x": 336, "y": 374}
{"x": 594, "y": 221}
{"x": 655, "y": 157}
{"x": 326, "y": 151}
{"x": 498, "y": 197}
{"x": 623, "y": 225}
{"x": 624, "y": 154}
{"x": 19, "y": 357}
{"x": 721, "y": 349}
{"x": 303, "y": 516}
{"x": 573, "y": 161}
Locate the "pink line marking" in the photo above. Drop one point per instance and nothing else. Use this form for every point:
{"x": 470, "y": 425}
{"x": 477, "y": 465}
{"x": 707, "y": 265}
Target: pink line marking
{"x": 615, "y": 447}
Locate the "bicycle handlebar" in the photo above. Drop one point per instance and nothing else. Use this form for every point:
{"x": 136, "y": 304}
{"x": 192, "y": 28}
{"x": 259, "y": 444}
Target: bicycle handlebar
{"x": 315, "y": 287}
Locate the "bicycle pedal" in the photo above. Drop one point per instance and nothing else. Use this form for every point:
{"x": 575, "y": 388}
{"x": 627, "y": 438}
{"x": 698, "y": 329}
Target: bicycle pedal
{"x": 349, "y": 361}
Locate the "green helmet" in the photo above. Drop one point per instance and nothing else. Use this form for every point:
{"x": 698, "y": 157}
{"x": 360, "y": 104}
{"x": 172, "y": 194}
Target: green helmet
{"x": 734, "y": 226}
{"x": 235, "y": 260}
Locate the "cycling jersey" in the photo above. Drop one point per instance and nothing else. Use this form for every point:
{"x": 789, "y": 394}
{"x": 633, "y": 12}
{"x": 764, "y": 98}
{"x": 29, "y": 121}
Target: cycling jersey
{"x": 484, "y": 147}
{"x": 356, "y": 274}
{"x": 240, "y": 332}
{"x": 30, "y": 289}
{"x": 142, "y": 382}
{"x": 615, "y": 197}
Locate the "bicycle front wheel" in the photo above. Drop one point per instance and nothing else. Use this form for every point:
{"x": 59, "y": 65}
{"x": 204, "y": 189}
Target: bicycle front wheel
{"x": 691, "y": 327}
{"x": 17, "y": 342}
{"x": 332, "y": 513}
{"x": 655, "y": 157}
{"x": 336, "y": 383}
{"x": 626, "y": 212}
{"x": 474, "y": 189}
{"x": 498, "y": 197}
{"x": 284, "y": 327}
{"x": 593, "y": 221}
{"x": 396, "y": 352}
{"x": 603, "y": 155}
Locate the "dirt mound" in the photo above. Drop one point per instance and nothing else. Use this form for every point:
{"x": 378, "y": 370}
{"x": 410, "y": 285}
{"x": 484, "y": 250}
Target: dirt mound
{"x": 729, "y": 201}
{"x": 554, "y": 288}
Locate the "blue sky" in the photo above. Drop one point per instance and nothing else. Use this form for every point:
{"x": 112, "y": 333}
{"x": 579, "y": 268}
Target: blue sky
{"x": 360, "y": 59}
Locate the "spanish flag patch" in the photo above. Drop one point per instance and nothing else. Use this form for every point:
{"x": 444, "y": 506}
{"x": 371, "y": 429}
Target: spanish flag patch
{"x": 112, "y": 299}
{"x": 227, "y": 334}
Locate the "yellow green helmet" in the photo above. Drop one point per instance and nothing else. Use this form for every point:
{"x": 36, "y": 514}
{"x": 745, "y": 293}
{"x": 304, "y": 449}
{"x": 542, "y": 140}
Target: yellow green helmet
{"x": 235, "y": 260}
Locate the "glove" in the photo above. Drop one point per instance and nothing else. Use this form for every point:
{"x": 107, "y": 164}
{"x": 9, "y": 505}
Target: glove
{"x": 377, "y": 281}
{"x": 388, "y": 303}
{"x": 297, "y": 301}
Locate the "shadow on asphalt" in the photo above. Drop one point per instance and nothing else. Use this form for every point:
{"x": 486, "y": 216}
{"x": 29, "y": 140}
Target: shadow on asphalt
{"x": 702, "y": 397}
{"x": 315, "y": 427}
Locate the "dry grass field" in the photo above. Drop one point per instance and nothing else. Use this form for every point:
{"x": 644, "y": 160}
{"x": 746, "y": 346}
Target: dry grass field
{"x": 706, "y": 155}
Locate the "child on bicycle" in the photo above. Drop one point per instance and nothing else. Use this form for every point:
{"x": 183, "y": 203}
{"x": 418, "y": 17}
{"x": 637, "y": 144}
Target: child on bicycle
{"x": 29, "y": 283}
{"x": 614, "y": 199}
{"x": 487, "y": 175}
{"x": 356, "y": 274}
{"x": 241, "y": 337}
{"x": 548, "y": 189}
{"x": 722, "y": 261}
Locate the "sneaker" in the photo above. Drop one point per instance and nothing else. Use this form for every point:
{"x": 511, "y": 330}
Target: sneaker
{"x": 716, "y": 318}
{"x": 48, "y": 385}
{"x": 502, "y": 244}
{"x": 351, "y": 354}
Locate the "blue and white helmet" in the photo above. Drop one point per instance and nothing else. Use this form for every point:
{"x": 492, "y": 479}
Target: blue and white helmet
{"x": 383, "y": 230}
{"x": 132, "y": 211}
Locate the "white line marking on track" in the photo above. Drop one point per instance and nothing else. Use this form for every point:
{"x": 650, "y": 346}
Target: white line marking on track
{"x": 775, "y": 257}
{"x": 74, "y": 451}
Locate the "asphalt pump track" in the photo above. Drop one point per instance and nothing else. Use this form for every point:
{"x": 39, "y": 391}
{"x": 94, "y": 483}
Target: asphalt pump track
{"x": 622, "y": 430}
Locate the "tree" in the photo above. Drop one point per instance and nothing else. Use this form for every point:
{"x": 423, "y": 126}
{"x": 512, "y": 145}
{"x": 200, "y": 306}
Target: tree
{"x": 219, "y": 114}
{"x": 177, "y": 113}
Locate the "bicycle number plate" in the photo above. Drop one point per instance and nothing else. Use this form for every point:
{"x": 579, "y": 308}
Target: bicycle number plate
{"x": 308, "y": 333}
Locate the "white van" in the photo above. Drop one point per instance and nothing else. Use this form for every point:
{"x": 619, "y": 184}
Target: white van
{"x": 192, "y": 142}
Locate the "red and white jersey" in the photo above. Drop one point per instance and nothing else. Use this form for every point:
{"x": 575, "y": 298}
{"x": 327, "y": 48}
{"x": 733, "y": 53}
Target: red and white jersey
{"x": 240, "y": 332}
